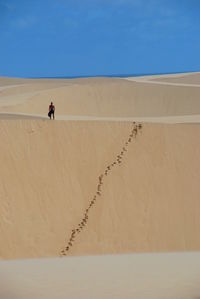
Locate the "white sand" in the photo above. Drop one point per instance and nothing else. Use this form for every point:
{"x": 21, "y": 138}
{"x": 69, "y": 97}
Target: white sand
{"x": 141, "y": 276}
{"x": 181, "y": 80}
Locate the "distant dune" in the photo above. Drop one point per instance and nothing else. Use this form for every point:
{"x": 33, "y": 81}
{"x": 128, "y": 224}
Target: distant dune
{"x": 192, "y": 78}
{"x": 102, "y": 97}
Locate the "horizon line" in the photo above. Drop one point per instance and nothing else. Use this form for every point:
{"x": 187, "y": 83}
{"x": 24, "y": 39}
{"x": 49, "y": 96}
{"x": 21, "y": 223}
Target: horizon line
{"x": 101, "y": 75}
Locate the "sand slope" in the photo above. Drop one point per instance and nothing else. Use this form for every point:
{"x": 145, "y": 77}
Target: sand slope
{"x": 50, "y": 173}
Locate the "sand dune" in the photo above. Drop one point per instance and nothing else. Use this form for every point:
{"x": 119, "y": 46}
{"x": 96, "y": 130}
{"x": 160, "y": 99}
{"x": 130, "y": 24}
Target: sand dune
{"x": 141, "y": 276}
{"x": 189, "y": 79}
{"x": 50, "y": 173}
{"x": 118, "y": 173}
{"x": 102, "y": 97}
{"x": 179, "y": 80}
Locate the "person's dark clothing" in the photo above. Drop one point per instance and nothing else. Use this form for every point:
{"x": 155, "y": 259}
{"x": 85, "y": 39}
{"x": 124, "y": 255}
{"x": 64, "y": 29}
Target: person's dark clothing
{"x": 51, "y": 111}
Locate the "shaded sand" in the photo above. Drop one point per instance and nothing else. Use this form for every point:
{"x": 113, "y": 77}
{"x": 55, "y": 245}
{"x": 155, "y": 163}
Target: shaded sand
{"x": 50, "y": 173}
{"x": 167, "y": 119}
{"x": 20, "y": 116}
{"x": 103, "y": 97}
{"x": 140, "y": 276}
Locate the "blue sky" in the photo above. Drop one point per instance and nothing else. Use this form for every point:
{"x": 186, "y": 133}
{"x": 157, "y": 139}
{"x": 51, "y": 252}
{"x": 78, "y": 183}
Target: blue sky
{"x": 98, "y": 37}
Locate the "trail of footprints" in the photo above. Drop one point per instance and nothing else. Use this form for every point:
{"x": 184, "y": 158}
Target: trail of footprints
{"x": 135, "y": 129}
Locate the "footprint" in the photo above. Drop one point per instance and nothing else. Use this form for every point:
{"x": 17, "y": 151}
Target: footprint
{"x": 119, "y": 159}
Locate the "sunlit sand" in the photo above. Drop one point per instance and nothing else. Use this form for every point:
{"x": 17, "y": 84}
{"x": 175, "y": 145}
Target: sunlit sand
{"x": 116, "y": 173}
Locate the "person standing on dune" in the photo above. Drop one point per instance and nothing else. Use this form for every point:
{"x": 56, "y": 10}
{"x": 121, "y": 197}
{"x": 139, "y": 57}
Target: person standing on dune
{"x": 51, "y": 110}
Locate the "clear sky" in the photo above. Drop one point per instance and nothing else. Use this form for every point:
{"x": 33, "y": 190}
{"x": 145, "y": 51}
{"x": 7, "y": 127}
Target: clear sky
{"x": 49, "y": 38}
